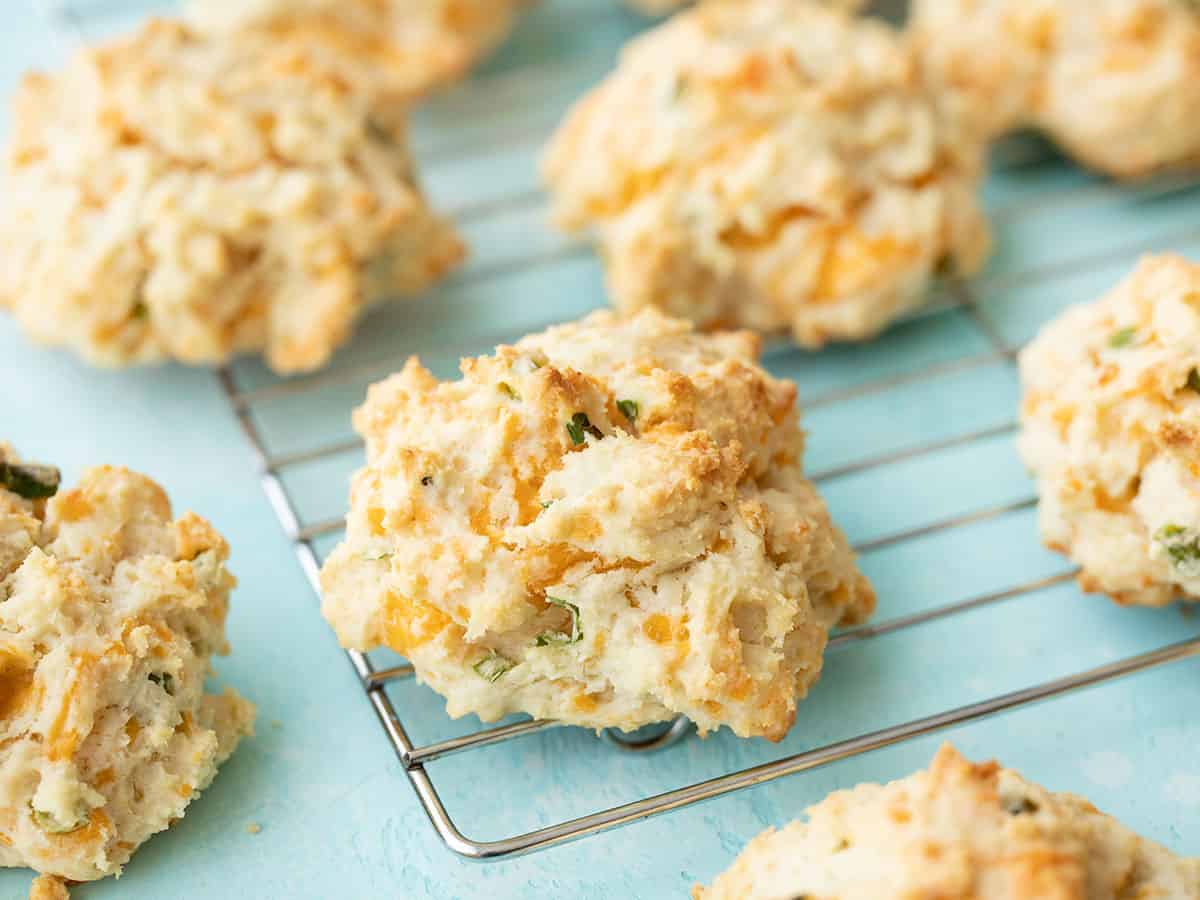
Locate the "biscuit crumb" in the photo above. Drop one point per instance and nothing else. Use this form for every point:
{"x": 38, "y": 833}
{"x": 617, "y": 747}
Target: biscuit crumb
{"x": 48, "y": 887}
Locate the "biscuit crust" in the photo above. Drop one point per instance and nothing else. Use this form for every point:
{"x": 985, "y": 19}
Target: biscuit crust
{"x": 110, "y": 613}
{"x": 1115, "y": 82}
{"x": 172, "y": 197}
{"x": 1110, "y": 427}
{"x": 770, "y": 164}
{"x": 606, "y": 524}
{"x": 398, "y": 49}
{"x": 959, "y": 831}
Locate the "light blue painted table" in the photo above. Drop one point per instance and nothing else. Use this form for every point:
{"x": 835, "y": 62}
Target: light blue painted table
{"x": 338, "y": 817}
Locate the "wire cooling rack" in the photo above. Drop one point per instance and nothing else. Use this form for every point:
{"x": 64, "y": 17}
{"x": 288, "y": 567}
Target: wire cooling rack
{"x": 1062, "y": 236}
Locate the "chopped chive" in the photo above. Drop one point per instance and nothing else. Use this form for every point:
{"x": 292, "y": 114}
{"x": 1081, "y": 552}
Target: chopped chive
{"x": 579, "y": 426}
{"x": 139, "y": 311}
{"x": 557, "y": 638}
{"x": 508, "y": 389}
{"x": 629, "y": 409}
{"x": 1193, "y": 380}
{"x": 493, "y": 666}
{"x": 1182, "y": 546}
{"x": 1018, "y": 806}
{"x": 30, "y": 482}
{"x": 164, "y": 680}
{"x": 377, "y": 555}
{"x": 679, "y": 86}
{"x": 546, "y": 504}
{"x": 1123, "y": 338}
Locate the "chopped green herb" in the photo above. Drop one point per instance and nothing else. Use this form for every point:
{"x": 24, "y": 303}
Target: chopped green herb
{"x": 1123, "y": 338}
{"x": 508, "y": 389}
{"x": 679, "y": 86}
{"x": 139, "y": 311}
{"x": 493, "y": 666}
{"x": 546, "y": 504}
{"x": 1018, "y": 806}
{"x": 579, "y": 426}
{"x": 629, "y": 409}
{"x": 164, "y": 680}
{"x": 532, "y": 362}
{"x": 50, "y": 824}
{"x": 426, "y": 480}
{"x": 377, "y": 555}
{"x": 557, "y": 638}
{"x": 1182, "y": 547}
{"x": 1193, "y": 380}
{"x": 30, "y": 482}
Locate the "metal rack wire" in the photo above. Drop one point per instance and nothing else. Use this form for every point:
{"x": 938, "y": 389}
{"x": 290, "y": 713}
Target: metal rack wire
{"x": 373, "y": 679}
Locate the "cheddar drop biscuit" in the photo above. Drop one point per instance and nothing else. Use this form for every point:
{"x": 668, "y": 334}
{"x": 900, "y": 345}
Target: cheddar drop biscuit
{"x": 1115, "y": 82}
{"x": 172, "y": 197}
{"x": 606, "y": 524}
{"x": 959, "y": 831}
{"x": 771, "y": 164}
{"x": 1110, "y": 427}
{"x": 110, "y": 611}
{"x": 403, "y": 48}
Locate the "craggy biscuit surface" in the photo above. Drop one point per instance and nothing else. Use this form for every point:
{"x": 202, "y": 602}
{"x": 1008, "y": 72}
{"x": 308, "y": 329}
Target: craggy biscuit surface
{"x": 168, "y": 196}
{"x": 1111, "y": 429}
{"x": 770, "y": 164}
{"x": 399, "y": 48}
{"x": 955, "y": 832}
{"x": 606, "y": 524}
{"x": 1115, "y": 82}
{"x": 110, "y": 611}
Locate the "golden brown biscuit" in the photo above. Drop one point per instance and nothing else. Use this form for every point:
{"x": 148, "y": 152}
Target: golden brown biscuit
{"x": 1115, "y": 82}
{"x": 1110, "y": 426}
{"x": 606, "y": 524}
{"x": 399, "y": 49}
{"x": 110, "y": 613}
{"x": 172, "y": 197}
{"x": 956, "y": 832}
{"x": 770, "y": 164}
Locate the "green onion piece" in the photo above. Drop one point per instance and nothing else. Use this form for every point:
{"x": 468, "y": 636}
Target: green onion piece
{"x": 139, "y": 311}
{"x": 1193, "y": 380}
{"x": 629, "y": 409}
{"x": 493, "y": 666}
{"x": 508, "y": 389}
{"x": 579, "y": 426}
{"x": 30, "y": 482}
{"x": 557, "y": 638}
{"x": 546, "y": 504}
{"x": 1123, "y": 338}
{"x": 1182, "y": 546}
{"x": 377, "y": 555}
{"x": 164, "y": 680}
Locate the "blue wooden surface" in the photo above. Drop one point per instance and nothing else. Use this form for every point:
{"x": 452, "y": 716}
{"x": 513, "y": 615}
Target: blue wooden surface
{"x": 337, "y": 815}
